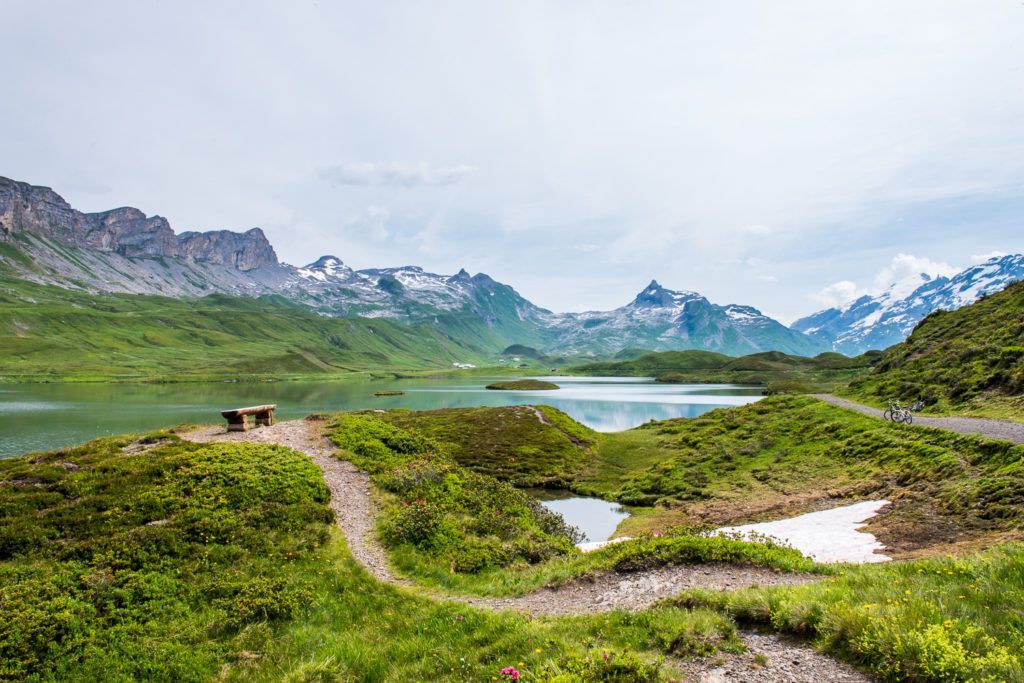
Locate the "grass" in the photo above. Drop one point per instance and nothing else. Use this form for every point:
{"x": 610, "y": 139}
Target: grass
{"x": 458, "y": 529}
{"x": 780, "y": 373}
{"x": 523, "y": 385}
{"x": 523, "y": 445}
{"x": 152, "y": 558}
{"x": 156, "y": 559}
{"x": 786, "y": 455}
{"x": 52, "y": 334}
{"x": 969, "y": 361}
{"x": 943, "y": 619}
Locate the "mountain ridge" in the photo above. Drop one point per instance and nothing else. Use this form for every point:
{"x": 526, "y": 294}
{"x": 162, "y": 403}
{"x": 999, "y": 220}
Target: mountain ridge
{"x": 878, "y": 322}
{"x": 123, "y": 250}
{"x": 45, "y": 240}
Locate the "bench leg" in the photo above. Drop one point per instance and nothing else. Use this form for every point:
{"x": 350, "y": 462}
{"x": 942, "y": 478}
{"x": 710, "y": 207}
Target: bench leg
{"x": 265, "y": 419}
{"x": 238, "y": 424}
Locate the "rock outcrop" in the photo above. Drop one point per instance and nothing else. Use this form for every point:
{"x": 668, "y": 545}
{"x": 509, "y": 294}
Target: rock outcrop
{"x": 125, "y": 231}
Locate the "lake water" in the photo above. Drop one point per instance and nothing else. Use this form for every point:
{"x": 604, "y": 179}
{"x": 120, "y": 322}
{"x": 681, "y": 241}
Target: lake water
{"x": 596, "y": 518}
{"x": 36, "y": 417}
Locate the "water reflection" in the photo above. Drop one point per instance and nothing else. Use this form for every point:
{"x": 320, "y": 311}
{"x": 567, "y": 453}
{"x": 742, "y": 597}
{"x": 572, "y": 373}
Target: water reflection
{"x": 596, "y": 518}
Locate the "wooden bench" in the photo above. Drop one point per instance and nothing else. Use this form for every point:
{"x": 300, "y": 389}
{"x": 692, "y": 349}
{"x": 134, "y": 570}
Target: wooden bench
{"x": 238, "y": 419}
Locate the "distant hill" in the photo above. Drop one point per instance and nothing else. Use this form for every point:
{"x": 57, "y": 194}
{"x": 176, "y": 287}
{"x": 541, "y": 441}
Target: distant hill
{"x": 782, "y": 373}
{"x": 971, "y": 356}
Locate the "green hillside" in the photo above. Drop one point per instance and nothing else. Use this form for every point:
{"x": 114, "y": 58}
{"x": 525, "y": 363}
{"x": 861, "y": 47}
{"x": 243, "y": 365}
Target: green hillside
{"x": 48, "y": 333}
{"x": 968, "y": 360}
{"x": 781, "y": 372}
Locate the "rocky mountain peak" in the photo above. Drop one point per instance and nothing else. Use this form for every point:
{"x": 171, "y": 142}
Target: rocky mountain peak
{"x": 656, "y": 296}
{"x": 461, "y": 276}
{"x": 326, "y": 262}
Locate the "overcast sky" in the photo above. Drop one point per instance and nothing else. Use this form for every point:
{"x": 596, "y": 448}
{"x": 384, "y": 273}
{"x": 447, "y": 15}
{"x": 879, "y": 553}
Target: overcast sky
{"x": 756, "y": 152}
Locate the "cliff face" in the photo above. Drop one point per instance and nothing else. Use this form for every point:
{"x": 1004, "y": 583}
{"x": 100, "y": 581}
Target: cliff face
{"x": 126, "y": 231}
{"x": 245, "y": 251}
{"x": 38, "y": 210}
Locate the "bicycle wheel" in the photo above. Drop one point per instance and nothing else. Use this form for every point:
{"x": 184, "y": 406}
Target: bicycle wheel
{"x": 887, "y": 415}
{"x": 908, "y": 419}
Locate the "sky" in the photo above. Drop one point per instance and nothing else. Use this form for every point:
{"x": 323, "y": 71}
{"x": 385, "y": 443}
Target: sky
{"x": 783, "y": 155}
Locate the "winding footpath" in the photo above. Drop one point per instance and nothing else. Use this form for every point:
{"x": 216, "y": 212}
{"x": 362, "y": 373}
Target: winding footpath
{"x": 354, "y": 508}
{"x": 993, "y": 429}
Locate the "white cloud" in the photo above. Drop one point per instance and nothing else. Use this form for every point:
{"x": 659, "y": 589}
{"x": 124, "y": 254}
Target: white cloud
{"x": 902, "y": 267}
{"x": 757, "y": 229}
{"x": 399, "y": 174}
{"x": 905, "y": 266}
{"x": 981, "y": 258}
{"x": 370, "y": 223}
{"x": 838, "y": 293}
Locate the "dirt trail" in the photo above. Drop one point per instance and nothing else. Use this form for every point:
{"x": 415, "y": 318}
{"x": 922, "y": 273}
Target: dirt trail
{"x": 354, "y": 508}
{"x": 994, "y": 429}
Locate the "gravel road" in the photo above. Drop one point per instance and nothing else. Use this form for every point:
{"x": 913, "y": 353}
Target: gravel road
{"x": 994, "y": 429}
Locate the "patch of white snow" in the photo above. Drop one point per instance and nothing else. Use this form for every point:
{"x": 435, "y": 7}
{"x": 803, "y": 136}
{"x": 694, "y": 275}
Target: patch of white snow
{"x": 825, "y": 536}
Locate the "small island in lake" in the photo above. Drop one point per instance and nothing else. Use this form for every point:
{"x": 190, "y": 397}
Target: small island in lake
{"x": 389, "y": 393}
{"x": 523, "y": 384}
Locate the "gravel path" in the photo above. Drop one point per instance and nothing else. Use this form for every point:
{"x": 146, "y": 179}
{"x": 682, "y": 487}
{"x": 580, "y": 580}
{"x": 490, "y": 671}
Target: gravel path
{"x": 995, "y": 429}
{"x": 772, "y": 658}
{"x": 352, "y": 503}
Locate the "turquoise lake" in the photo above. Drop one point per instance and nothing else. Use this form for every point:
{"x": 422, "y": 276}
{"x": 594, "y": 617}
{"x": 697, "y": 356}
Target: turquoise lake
{"x": 36, "y": 417}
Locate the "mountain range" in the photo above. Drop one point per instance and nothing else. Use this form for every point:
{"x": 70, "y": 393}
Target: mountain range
{"x": 45, "y": 240}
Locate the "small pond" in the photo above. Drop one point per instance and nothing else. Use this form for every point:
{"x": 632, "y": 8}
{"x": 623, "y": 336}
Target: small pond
{"x": 596, "y": 518}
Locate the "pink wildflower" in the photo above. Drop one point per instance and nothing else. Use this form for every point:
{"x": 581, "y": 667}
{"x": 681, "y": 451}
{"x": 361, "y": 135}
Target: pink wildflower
{"x": 511, "y": 673}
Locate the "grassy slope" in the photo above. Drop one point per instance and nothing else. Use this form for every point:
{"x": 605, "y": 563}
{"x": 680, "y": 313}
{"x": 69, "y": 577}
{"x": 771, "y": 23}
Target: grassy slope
{"x": 787, "y": 454}
{"x": 52, "y": 333}
{"x": 190, "y": 562}
{"x": 967, "y": 361}
{"x": 510, "y": 443}
{"x": 782, "y": 373}
{"x": 461, "y": 529}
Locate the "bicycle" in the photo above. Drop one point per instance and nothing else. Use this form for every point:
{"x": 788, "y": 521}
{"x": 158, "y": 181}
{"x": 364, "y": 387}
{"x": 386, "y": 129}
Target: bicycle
{"x": 892, "y": 411}
{"x": 900, "y": 415}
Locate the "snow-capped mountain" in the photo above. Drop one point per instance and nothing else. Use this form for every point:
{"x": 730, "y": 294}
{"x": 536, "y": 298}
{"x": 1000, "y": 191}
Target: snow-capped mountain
{"x": 662, "y": 319}
{"x": 877, "y": 322}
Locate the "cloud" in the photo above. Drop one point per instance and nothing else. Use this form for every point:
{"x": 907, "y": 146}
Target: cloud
{"x": 901, "y": 267}
{"x": 682, "y": 139}
{"x": 394, "y": 174}
{"x": 370, "y": 223}
{"x": 907, "y": 265}
{"x": 981, "y": 258}
{"x": 838, "y": 293}
{"x": 586, "y": 248}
